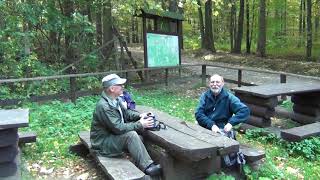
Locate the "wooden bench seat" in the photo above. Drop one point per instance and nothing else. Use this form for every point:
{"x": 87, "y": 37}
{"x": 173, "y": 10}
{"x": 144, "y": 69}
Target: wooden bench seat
{"x": 301, "y": 132}
{"x": 251, "y": 154}
{"x": 27, "y": 137}
{"x": 114, "y": 168}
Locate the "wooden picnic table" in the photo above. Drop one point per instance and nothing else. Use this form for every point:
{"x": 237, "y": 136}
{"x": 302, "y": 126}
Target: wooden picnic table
{"x": 262, "y": 101}
{"x": 188, "y": 150}
{"x": 10, "y": 121}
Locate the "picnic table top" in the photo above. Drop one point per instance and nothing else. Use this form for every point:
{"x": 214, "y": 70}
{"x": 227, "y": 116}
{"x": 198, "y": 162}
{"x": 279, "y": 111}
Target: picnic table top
{"x": 186, "y": 140}
{"x": 14, "y": 118}
{"x": 270, "y": 90}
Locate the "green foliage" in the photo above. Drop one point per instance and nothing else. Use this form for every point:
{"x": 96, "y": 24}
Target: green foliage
{"x": 267, "y": 171}
{"x": 287, "y": 104}
{"x": 308, "y": 148}
{"x": 221, "y": 176}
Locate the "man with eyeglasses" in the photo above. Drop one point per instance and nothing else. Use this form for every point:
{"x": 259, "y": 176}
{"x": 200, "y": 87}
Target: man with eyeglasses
{"x": 219, "y": 110}
{"x": 113, "y": 128}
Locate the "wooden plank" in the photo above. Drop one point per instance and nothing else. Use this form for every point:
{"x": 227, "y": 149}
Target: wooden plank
{"x": 303, "y": 118}
{"x": 270, "y": 90}
{"x": 8, "y": 137}
{"x": 218, "y": 142}
{"x": 308, "y": 110}
{"x": 301, "y": 132}
{"x": 270, "y": 102}
{"x": 27, "y": 137}
{"x": 14, "y": 118}
{"x": 261, "y": 111}
{"x": 306, "y": 100}
{"x": 244, "y": 127}
{"x": 115, "y": 168}
{"x": 251, "y": 154}
{"x": 258, "y": 121}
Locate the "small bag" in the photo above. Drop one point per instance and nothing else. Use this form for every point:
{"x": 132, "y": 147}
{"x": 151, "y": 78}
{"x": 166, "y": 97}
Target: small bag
{"x": 157, "y": 125}
{"x": 232, "y": 158}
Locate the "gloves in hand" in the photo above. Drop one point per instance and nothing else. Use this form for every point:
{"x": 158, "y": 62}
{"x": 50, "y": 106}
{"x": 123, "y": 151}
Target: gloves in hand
{"x": 227, "y": 127}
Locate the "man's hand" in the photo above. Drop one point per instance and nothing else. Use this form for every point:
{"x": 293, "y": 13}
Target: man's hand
{"x": 227, "y": 127}
{"x": 146, "y": 122}
{"x": 142, "y": 115}
{"x": 215, "y": 129}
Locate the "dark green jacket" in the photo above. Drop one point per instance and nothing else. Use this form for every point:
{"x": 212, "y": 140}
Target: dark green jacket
{"x": 107, "y": 124}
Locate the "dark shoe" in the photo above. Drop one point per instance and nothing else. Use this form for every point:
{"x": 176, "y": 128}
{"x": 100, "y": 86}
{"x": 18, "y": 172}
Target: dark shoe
{"x": 153, "y": 170}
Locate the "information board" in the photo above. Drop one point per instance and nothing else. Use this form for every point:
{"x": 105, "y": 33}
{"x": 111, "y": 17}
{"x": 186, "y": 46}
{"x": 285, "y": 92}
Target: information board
{"x": 162, "y": 50}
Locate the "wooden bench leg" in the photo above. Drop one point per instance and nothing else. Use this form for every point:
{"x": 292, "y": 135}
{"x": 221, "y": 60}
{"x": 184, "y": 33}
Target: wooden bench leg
{"x": 173, "y": 168}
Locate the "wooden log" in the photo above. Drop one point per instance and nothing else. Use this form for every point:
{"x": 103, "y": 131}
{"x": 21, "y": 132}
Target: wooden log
{"x": 251, "y": 154}
{"x": 244, "y": 127}
{"x": 27, "y": 137}
{"x": 261, "y": 111}
{"x": 114, "y": 168}
{"x": 8, "y": 137}
{"x": 8, "y": 169}
{"x": 306, "y": 100}
{"x": 173, "y": 168}
{"x": 259, "y": 121}
{"x": 79, "y": 149}
{"x": 304, "y": 119}
{"x": 301, "y": 132}
{"x": 308, "y": 110}
{"x": 251, "y": 99}
{"x": 8, "y": 154}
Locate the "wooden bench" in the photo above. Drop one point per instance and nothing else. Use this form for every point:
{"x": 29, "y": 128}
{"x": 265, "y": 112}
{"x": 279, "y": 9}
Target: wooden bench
{"x": 301, "y": 132}
{"x": 262, "y": 102}
{"x": 27, "y": 137}
{"x": 114, "y": 168}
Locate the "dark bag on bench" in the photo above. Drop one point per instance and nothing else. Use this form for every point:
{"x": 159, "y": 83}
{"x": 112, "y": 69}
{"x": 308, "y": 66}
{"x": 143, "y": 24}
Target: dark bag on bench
{"x": 232, "y": 158}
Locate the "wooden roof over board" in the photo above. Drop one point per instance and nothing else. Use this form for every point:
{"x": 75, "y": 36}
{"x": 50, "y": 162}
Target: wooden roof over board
{"x": 155, "y": 13}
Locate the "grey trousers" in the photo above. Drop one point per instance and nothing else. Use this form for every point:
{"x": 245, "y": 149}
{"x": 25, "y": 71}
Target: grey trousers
{"x": 132, "y": 142}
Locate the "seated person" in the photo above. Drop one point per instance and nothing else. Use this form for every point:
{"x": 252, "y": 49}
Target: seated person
{"x": 113, "y": 128}
{"x": 218, "y": 109}
{"x": 127, "y": 101}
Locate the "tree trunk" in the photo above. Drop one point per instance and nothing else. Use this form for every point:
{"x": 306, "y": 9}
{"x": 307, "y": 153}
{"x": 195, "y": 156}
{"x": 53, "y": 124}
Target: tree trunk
{"x": 201, "y": 27}
{"x": 317, "y": 20}
{"x": 309, "y": 31}
{"x": 173, "y": 5}
{"x": 208, "y": 34}
{"x": 232, "y": 25}
{"x": 133, "y": 33}
{"x": 98, "y": 25}
{"x": 107, "y": 34}
{"x": 68, "y": 10}
{"x": 237, "y": 48}
{"x": 261, "y": 47}
{"x": 248, "y": 43}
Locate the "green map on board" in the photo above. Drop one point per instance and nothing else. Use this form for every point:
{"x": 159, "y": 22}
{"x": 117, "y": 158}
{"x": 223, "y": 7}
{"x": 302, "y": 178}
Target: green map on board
{"x": 162, "y": 50}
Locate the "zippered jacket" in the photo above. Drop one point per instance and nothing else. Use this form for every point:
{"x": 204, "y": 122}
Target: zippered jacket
{"x": 220, "y": 110}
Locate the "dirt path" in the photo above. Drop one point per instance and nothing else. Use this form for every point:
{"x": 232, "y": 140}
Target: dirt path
{"x": 247, "y": 76}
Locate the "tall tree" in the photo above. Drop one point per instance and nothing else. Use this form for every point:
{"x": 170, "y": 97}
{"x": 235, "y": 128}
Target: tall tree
{"x": 98, "y": 23}
{"x": 208, "y": 33}
{"x": 69, "y": 37}
{"x": 201, "y": 26}
{"x": 232, "y": 27}
{"x": 248, "y": 42}
{"x": 107, "y": 34}
{"x": 262, "y": 35}
{"x": 309, "y": 31}
{"x": 238, "y": 42}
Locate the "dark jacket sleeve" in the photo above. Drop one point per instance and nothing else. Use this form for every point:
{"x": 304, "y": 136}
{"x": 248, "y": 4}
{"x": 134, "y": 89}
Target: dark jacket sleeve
{"x": 240, "y": 111}
{"x": 200, "y": 115}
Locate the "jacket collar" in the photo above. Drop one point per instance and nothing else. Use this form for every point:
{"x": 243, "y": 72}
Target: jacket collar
{"x": 223, "y": 93}
{"x": 111, "y": 102}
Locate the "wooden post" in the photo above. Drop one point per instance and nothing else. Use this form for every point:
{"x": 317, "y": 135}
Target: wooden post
{"x": 127, "y": 77}
{"x": 73, "y": 89}
{"x": 239, "y": 77}
{"x": 166, "y": 76}
{"x": 283, "y": 79}
{"x": 204, "y": 74}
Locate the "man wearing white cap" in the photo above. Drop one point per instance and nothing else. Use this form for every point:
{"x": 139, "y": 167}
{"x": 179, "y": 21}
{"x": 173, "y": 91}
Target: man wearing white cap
{"x": 113, "y": 129}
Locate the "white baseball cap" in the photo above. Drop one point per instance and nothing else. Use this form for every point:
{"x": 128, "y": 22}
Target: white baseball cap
{"x": 112, "y": 79}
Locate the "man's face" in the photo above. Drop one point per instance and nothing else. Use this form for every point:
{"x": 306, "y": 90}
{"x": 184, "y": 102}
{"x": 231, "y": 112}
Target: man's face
{"x": 216, "y": 83}
{"x": 117, "y": 89}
